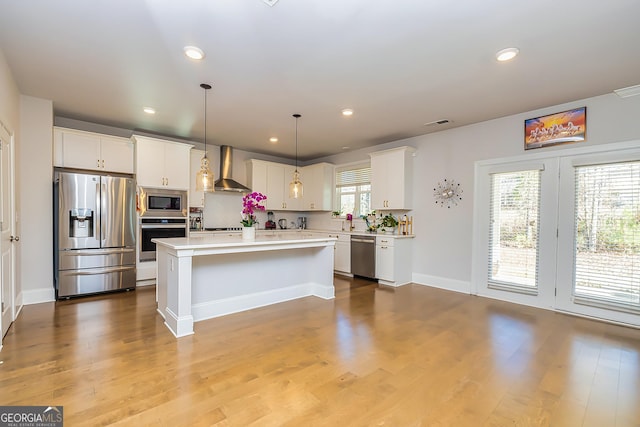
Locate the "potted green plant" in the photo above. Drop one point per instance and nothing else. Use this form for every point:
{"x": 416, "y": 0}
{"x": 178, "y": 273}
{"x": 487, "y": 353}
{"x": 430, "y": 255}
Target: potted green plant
{"x": 336, "y": 214}
{"x": 388, "y": 223}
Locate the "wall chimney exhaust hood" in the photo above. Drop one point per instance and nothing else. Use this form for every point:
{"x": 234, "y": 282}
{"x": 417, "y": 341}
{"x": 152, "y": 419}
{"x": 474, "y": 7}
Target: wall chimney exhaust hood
{"x": 226, "y": 183}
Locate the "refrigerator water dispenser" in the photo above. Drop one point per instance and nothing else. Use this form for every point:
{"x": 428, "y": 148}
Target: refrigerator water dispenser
{"x": 80, "y": 223}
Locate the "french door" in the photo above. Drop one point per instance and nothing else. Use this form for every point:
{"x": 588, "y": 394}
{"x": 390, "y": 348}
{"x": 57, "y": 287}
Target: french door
{"x": 561, "y": 231}
{"x": 599, "y": 236}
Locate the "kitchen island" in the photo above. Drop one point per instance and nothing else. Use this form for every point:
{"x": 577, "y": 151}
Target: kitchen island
{"x": 208, "y": 276}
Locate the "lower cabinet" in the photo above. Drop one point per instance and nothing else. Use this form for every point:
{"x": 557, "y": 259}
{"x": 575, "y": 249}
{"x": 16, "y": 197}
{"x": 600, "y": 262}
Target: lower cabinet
{"x": 393, "y": 260}
{"x": 342, "y": 254}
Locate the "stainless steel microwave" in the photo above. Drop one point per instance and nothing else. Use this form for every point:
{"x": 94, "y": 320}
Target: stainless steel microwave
{"x": 160, "y": 203}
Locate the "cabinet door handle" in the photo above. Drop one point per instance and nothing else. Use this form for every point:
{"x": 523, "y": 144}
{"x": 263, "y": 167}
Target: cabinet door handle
{"x": 98, "y": 163}
{"x": 102, "y": 164}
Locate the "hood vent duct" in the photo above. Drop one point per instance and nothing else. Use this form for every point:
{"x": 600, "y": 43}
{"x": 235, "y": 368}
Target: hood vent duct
{"x": 226, "y": 183}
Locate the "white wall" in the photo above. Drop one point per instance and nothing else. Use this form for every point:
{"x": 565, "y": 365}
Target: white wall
{"x": 442, "y": 248}
{"x": 36, "y": 203}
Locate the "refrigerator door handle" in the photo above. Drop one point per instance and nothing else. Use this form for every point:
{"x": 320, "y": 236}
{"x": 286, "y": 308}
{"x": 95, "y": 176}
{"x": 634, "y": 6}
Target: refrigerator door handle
{"x": 99, "y": 252}
{"x": 95, "y": 271}
{"x": 98, "y": 213}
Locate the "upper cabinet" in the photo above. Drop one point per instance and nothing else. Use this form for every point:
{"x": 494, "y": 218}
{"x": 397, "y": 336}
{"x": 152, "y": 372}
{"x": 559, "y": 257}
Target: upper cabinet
{"x": 317, "y": 181}
{"x": 93, "y": 151}
{"x": 162, "y": 164}
{"x": 272, "y": 179}
{"x": 391, "y": 176}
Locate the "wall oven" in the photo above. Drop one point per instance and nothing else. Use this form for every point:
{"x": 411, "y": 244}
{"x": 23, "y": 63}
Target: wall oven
{"x": 158, "y": 228}
{"x": 162, "y": 214}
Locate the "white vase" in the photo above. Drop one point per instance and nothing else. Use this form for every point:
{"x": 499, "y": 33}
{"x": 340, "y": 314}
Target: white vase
{"x": 248, "y": 233}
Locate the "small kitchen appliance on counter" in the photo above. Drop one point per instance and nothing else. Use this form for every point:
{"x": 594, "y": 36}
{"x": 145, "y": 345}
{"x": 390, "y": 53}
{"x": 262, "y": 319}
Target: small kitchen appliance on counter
{"x": 195, "y": 219}
{"x": 282, "y": 223}
{"x": 302, "y": 222}
{"x": 270, "y": 224}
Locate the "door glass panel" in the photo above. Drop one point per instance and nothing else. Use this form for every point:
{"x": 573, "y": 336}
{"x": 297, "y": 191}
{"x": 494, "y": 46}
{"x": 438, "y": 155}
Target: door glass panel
{"x": 514, "y": 227}
{"x": 607, "y": 235}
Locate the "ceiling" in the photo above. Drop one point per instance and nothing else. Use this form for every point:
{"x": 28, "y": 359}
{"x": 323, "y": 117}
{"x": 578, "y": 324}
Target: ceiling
{"x": 397, "y": 64}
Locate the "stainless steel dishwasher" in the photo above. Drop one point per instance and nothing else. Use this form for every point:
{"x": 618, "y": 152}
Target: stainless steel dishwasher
{"x": 363, "y": 256}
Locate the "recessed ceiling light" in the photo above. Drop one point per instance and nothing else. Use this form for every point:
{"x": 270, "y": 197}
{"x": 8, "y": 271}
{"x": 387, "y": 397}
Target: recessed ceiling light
{"x": 149, "y": 110}
{"x": 347, "y": 112}
{"x": 273, "y": 139}
{"x": 193, "y": 52}
{"x": 507, "y": 54}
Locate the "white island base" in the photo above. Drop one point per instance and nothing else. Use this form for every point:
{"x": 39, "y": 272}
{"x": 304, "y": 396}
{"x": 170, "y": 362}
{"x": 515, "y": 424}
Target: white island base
{"x": 201, "y": 278}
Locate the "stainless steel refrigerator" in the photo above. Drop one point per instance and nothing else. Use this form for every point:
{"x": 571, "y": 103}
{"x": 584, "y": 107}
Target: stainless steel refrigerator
{"x": 94, "y": 233}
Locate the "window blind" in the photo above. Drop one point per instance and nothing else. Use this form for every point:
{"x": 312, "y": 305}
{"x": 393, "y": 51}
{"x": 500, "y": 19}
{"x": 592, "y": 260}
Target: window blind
{"x": 513, "y": 231}
{"x": 356, "y": 175}
{"x": 607, "y": 235}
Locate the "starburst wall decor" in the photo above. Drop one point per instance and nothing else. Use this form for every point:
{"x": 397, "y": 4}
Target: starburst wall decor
{"x": 447, "y": 193}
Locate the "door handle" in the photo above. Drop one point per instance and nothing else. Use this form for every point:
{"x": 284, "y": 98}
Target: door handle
{"x": 14, "y": 238}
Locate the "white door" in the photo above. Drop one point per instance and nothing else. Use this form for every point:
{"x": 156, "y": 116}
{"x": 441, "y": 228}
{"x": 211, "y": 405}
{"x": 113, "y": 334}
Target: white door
{"x": 599, "y": 249}
{"x": 7, "y": 235}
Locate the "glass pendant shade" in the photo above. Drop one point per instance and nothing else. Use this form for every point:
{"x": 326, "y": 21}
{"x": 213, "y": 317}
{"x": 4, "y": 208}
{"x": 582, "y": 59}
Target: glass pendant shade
{"x": 204, "y": 177}
{"x": 295, "y": 186}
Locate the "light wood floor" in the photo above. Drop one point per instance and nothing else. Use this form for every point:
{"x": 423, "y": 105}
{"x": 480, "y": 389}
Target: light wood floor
{"x": 412, "y": 356}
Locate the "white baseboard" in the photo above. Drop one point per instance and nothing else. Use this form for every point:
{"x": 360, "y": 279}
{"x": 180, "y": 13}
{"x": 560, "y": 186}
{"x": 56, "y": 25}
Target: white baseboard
{"x": 37, "y": 296}
{"x": 442, "y": 283}
{"x": 142, "y": 283}
{"x": 209, "y": 310}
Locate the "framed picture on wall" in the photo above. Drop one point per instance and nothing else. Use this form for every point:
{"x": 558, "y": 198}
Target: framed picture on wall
{"x": 557, "y": 128}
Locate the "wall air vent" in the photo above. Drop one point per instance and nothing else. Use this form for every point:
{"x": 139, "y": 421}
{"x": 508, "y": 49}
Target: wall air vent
{"x": 270, "y": 2}
{"x": 438, "y": 122}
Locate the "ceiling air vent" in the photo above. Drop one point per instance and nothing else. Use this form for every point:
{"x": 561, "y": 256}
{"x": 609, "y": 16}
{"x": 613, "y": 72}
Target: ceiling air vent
{"x": 437, "y": 122}
{"x": 628, "y": 91}
{"x": 270, "y": 2}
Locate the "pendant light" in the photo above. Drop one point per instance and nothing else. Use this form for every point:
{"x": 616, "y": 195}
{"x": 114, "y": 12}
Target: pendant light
{"x": 204, "y": 177}
{"x": 295, "y": 186}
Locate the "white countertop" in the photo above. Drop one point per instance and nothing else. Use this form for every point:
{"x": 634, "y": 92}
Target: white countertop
{"x": 264, "y": 232}
{"x": 211, "y": 240}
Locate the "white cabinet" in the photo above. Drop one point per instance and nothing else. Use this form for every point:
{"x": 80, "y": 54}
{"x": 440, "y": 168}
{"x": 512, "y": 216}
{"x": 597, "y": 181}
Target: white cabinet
{"x": 393, "y": 260}
{"x": 196, "y": 198}
{"x": 276, "y": 196}
{"x": 342, "y": 252}
{"x": 391, "y": 178}
{"x": 162, "y": 164}
{"x": 318, "y": 187}
{"x": 257, "y": 177}
{"x": 272, "y": 180}
{"x": 87, "y": 150}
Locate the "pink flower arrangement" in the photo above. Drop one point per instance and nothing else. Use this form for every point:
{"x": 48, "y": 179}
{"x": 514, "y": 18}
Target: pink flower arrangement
{"x": 251, "y": 204}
